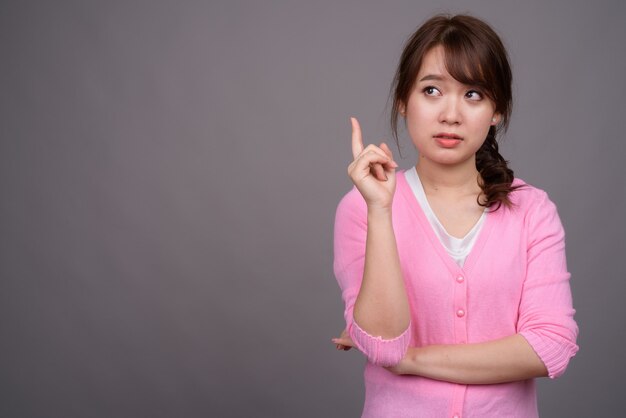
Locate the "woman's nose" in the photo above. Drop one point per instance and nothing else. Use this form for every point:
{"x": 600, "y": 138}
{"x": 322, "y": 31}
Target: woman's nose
{"x": 450, "y": 112}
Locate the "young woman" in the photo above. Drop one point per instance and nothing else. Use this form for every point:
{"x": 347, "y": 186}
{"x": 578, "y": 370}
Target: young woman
{"x": 453, "y": 272}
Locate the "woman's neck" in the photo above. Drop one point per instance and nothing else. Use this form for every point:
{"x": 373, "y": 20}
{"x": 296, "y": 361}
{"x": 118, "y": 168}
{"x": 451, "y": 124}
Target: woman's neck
{"x": 439, "y": 179}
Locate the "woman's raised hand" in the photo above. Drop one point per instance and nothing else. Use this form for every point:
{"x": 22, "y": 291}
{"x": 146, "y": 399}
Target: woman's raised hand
{"x": 373, "y": 170}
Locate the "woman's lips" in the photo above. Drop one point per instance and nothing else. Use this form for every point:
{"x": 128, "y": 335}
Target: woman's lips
{"x": 448, "y": 140}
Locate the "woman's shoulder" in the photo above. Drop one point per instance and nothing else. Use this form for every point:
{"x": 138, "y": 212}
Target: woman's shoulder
{"x": 352, "y": 206}
{"x": 528, "y": 197}
{"x": 352, "y": 199}
{"x": 524, "y": 191}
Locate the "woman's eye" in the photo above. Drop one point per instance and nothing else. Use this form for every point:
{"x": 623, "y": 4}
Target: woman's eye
{"x": 473, "y": 95}
{"x": 431, "y": 91}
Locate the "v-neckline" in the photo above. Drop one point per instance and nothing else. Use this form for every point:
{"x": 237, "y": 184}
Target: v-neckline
{"x": 428, "y": 209}
{"x": 404, "y": 187}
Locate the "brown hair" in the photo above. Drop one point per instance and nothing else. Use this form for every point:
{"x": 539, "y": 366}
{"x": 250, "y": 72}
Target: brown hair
{"x": 474, "y": 55}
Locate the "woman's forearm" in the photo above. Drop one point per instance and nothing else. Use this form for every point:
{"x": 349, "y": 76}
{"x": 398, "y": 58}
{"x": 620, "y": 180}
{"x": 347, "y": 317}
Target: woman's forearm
{"x": 505, "y": 360}
{"x": 382, "y": 308}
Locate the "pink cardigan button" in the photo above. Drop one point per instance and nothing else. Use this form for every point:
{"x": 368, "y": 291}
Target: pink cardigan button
{"x": 460, "y": 313}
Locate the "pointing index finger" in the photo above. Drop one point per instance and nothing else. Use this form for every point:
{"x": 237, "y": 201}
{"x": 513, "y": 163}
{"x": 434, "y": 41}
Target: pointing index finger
{"x": 357, "y": 140}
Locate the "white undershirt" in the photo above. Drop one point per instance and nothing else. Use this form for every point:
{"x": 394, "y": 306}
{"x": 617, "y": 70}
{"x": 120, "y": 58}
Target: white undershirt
{"x": 458, "y": 248}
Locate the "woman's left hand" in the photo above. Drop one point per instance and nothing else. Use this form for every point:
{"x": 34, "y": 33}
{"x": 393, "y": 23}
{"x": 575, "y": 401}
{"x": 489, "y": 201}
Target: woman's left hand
{"x": 343, "y": 342}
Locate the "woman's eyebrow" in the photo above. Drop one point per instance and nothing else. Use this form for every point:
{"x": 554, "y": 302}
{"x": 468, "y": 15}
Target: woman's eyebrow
{"x": 432, "y": 77}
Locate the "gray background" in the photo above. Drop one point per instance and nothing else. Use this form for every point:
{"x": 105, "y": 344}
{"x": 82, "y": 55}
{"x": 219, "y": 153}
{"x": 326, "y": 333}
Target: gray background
{"x": 169, "y": 173}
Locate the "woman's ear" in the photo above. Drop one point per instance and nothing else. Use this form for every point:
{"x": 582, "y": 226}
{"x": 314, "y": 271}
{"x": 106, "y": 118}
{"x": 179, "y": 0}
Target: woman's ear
{"x": 402, "y": 110}
{"x": 495, "y": 119}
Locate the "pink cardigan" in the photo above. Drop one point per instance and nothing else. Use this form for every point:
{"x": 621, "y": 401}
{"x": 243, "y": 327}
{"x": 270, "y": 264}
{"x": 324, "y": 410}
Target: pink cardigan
{"x": 514, "y": 280}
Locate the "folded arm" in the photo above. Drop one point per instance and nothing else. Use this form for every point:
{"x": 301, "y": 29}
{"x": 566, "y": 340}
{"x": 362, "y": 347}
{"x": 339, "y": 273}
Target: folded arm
{"x": 503, "y": 360}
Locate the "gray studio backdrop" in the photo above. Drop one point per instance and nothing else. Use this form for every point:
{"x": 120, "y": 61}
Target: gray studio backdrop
{"x": 169, "y": 172}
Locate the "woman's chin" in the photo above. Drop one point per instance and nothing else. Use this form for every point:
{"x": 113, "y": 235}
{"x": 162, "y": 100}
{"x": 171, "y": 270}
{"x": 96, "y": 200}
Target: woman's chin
{"x": 448, "y": 158}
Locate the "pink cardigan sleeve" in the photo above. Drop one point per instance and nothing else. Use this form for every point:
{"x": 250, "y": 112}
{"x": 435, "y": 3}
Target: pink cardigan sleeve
{"x": 546, "y": 315}
{"x": 349, "y": 259}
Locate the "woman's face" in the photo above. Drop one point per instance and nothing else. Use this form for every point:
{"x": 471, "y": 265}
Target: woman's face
{"x": 448, "y": 121}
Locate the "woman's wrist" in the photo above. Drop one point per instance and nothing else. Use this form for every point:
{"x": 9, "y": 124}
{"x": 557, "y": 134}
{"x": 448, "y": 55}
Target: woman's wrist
{"x": 376, "y": 212}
